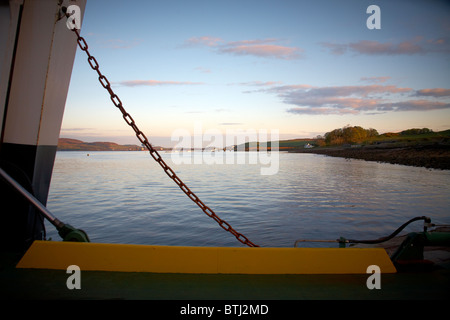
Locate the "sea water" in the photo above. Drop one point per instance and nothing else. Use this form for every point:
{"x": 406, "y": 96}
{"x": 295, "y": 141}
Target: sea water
{"x": 126, "y": 197}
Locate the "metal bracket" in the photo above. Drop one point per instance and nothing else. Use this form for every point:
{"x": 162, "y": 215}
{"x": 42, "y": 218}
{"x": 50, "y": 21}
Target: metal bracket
{"x": 66, "y": 231}
{"x": 410, "y": 252}
{"x": 69, "y": 233}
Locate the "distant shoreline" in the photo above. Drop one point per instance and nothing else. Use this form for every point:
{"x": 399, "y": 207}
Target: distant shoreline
{"x": 432, "y": 156}
{"x": 65, "y": 144}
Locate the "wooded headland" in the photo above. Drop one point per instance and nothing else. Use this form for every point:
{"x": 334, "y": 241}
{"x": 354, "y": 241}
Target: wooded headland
{"x": 412, "y": 147}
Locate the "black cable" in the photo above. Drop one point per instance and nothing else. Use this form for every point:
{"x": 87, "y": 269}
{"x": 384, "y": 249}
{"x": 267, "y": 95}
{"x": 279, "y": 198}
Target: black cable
{"x": 426, "y": 219}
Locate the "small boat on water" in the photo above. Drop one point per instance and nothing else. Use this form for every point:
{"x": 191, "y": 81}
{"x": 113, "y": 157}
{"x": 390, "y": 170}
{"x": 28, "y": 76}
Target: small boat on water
{"x": 39, "y": 61}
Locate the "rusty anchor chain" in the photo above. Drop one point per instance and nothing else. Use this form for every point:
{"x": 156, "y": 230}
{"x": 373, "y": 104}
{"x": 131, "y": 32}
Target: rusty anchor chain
{"x": 155, "y": 155}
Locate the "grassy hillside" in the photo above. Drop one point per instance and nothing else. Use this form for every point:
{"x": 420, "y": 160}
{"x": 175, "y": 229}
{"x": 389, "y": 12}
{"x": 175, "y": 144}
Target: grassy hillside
{"x": 397, "y": 139}
{"x": 411, "y": 138}
{"x": 283, "y": 145}
{"x": 65, "y": 144}
{"x": 414, "y": 147}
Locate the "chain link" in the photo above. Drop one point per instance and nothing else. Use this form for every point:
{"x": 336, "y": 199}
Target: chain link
{"x": 155, "y": 155}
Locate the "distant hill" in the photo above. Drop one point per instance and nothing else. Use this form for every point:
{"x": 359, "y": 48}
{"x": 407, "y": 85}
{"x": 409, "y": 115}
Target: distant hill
{"x": 406, "y": 137}
{"x": 410, "y": 137}
{"x": 65, "y": 144}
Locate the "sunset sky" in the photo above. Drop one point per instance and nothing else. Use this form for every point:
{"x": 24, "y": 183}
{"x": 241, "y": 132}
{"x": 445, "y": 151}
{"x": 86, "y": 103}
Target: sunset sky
{"x": 302, "y": 67}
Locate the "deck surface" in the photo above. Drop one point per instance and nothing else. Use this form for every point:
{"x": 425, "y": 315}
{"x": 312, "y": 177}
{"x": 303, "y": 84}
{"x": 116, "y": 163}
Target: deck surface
{"x": 51, "y": 284}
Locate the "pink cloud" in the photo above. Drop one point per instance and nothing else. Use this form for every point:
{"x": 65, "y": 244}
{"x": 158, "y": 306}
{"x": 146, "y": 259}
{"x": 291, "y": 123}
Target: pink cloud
{"x": 377, "y": 48}
{"x": 410, "y": 47}
{"x": 266, "y": 48}
{"x": 437, "y": 92}
{"x": 340, "y": 105}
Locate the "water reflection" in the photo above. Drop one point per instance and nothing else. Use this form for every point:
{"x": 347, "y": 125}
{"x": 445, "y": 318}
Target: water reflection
{"x": 125, "y": 197}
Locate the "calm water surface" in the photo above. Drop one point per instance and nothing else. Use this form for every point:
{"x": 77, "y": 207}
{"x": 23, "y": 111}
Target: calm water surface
{"x": 125, "y": 197}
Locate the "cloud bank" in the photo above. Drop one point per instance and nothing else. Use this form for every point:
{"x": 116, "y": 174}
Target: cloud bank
{"x": 368, "y": 99}
{"x": 418, "y": 45}
{"x": 266, "y": 48}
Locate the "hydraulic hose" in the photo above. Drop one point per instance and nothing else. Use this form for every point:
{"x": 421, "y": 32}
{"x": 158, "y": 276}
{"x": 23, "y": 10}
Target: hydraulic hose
{"x": 383, "y": 239}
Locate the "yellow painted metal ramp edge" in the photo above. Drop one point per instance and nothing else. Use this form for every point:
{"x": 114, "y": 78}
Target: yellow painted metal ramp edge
{"x": 209, "y": 260}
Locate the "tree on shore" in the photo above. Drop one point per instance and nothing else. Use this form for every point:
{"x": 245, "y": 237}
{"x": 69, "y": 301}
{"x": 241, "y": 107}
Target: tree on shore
{"x": 415, "y": 131}
{"x": 349, "y": 135}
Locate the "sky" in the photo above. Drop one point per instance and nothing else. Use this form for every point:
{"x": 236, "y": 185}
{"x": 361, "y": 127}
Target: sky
{"x": 300, "y": 68}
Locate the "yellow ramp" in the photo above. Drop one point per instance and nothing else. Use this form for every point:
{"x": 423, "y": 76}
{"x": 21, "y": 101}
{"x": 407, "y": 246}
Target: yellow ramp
{"x": 209, "y": 260}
